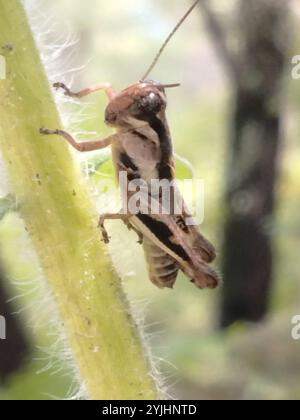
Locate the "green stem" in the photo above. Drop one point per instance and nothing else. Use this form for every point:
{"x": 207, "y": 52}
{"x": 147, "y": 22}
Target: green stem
{"x": 105, "y": 342}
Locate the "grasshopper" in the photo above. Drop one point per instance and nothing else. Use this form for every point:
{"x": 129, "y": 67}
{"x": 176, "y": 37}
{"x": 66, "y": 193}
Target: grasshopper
{"x": 142, "y": 148}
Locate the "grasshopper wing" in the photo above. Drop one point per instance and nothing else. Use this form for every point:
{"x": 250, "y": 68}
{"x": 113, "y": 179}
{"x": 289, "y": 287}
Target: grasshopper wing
{"x": 183, "y": 244}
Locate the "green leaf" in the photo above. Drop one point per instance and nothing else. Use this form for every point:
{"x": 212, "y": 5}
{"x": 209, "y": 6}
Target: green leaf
{"x": 184, "y": 169}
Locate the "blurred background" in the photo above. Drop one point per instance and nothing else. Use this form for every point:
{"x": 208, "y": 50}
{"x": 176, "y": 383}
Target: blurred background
{"x": 235, "y": 118}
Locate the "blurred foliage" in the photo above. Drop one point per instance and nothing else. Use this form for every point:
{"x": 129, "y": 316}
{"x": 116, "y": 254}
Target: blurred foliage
{"x": 7, "y": 204}
{"x": 117, "y": 40}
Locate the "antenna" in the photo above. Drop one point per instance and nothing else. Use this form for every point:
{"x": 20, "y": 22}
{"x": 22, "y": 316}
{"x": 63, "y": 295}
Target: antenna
{"x": 162, "y": 48}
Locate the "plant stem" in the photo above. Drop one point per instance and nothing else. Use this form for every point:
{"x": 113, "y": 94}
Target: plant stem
{"x": 61, "y": 221}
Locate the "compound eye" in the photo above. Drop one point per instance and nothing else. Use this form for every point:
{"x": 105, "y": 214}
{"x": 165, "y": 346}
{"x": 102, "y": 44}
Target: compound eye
{"x": 151, "y": 103}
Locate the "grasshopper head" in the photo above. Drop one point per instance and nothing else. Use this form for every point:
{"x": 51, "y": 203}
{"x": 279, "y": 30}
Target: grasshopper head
{"x": 138, "y": 103}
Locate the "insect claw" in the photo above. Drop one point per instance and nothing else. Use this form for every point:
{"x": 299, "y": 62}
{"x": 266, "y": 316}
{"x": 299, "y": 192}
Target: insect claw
{"x": 105, "y": 237}
{"x": 44, "y": 131}
{"x": 59, "y": 85}
{"x": 48, "y": 132}
{"x": 106, "y": 240}
{"x": 67, "y": 92}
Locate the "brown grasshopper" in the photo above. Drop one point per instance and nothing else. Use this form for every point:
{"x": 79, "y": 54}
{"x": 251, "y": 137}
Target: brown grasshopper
{"x": 142, "y": 147}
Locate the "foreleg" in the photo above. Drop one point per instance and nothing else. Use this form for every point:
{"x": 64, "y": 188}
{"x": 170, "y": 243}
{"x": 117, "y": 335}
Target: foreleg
{"x": 110, "y": 92}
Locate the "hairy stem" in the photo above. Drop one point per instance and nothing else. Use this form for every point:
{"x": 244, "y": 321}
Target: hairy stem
{"x": 61, "y": 221}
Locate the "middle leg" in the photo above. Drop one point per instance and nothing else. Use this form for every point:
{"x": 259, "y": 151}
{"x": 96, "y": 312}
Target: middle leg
{"x": 109, "y": 216}
{"x": 116, "y": 216}
{"x": 84, "y": 146}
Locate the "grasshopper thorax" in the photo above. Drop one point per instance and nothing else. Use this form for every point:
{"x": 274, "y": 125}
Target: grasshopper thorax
{"x": 138, "y": 102}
